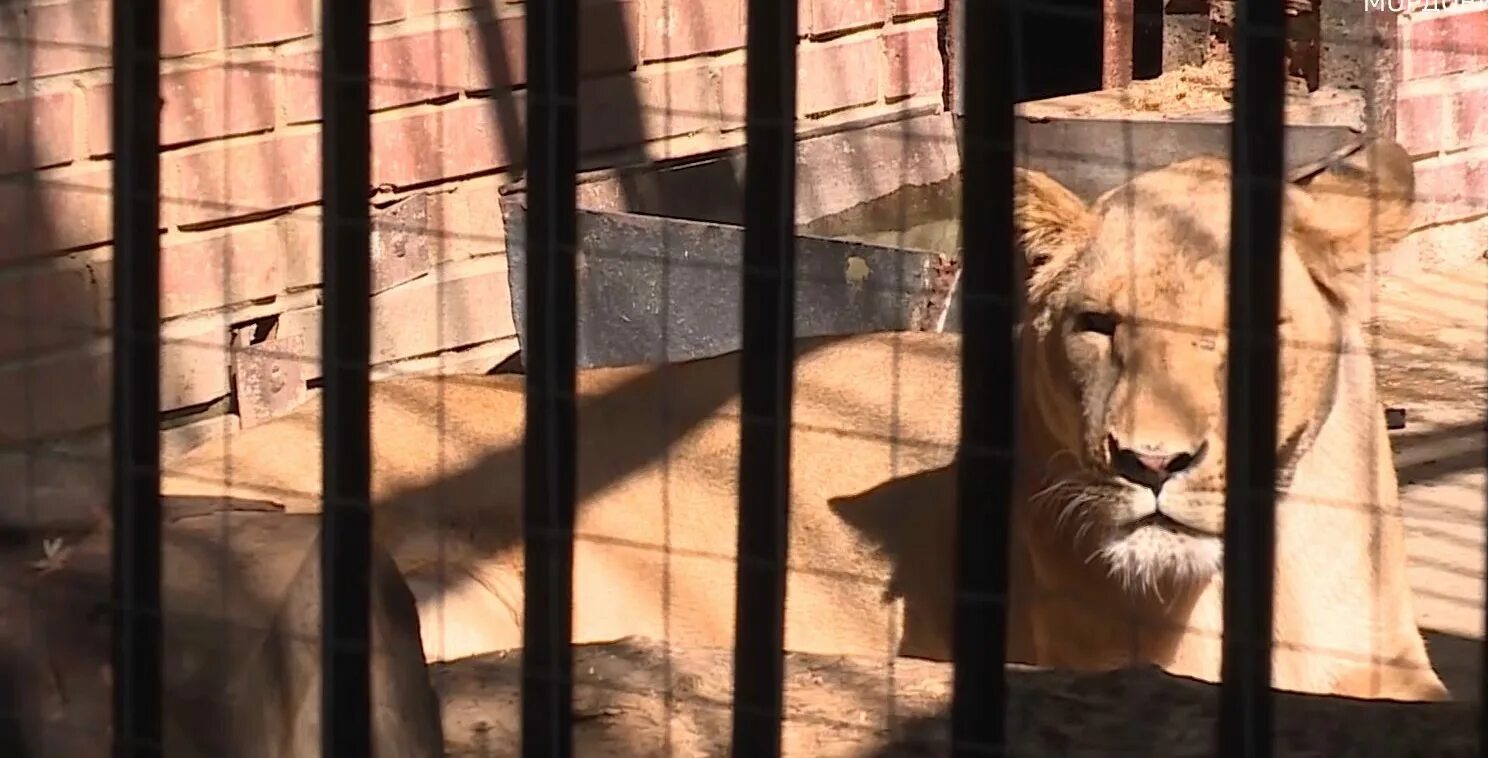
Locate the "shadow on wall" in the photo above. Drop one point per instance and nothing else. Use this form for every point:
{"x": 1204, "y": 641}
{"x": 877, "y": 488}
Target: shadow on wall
{"x": 54, "y": 370}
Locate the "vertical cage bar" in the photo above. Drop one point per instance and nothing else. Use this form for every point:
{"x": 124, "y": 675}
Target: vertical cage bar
{"x": 136, "y": 380}
{"x": 346, "y": 338}
{"x": 992, "y": 292}
{"x": 765, "y": 374}
{"x": 1250, "y": 433}
{"x": 549, "y": 447}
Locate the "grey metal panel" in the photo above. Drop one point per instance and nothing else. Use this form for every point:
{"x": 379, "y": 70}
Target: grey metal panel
{"x": 656, "y": 289}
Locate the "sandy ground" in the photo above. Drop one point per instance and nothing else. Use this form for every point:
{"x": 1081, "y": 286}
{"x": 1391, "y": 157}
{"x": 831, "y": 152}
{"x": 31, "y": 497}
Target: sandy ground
{"x": 1430, "y": 354}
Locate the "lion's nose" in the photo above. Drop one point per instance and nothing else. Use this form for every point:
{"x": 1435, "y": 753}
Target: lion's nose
{"x": 1151, "y": 467}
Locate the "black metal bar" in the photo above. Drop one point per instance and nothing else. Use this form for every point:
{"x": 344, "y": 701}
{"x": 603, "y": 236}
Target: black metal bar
{"x": 346, "y": 339}
{"x": 136, "y": 380}
{"x": 766, "y": 372}
{"x": 549, "y": 446}
{"x": 1257, "y": 155}
{"x": 991, "y": 300}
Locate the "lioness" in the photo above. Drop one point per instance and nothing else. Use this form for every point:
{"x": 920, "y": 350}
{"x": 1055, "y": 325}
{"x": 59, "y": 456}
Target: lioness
{"x": 1118, "y": 509}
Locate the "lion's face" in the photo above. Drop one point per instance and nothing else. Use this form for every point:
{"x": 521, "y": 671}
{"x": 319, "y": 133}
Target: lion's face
{"x": 1128, "y": 310}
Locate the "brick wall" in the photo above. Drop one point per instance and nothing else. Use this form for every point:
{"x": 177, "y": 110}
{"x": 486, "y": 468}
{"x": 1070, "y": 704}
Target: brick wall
{"x": 240, "y": 181}
{"x": 1442, "y": 117}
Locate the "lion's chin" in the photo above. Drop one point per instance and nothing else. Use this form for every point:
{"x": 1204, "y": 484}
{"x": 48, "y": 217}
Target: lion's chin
{"x": 1152, "y": 555}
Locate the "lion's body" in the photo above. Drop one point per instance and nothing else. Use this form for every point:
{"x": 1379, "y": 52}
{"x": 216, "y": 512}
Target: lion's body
{"x": 452, "y": 496}
{"x": 872, "y": 530}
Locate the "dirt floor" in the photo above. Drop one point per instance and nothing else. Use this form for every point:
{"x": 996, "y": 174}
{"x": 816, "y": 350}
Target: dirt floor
{"x": 635, "y": 697}
{"x": 1430, "y": 356}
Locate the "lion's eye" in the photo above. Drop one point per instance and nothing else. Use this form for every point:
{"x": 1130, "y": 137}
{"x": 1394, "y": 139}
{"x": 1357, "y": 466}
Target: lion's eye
{"x": 1099, "y": 323}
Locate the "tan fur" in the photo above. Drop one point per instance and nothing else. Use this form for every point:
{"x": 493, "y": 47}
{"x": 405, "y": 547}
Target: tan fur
{"x": 876, "y": 418}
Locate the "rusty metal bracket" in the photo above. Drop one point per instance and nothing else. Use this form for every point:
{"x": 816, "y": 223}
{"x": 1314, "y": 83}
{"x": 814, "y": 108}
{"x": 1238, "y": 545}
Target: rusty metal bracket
{"x": 1118, "y": 18}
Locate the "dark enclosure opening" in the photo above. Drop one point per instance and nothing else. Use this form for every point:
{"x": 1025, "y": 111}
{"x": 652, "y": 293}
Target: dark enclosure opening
{"x": 1061, "y": 46}
{"x": 1147, "y": 39}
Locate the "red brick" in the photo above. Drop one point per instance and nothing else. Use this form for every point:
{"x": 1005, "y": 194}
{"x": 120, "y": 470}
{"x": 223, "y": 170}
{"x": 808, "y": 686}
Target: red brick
{"x": 1469, "y": 119}
{"x": 1423, "y": 47}
{"x": 405, "y": 242}
{"x": 609, "y": 33}
{"x": 194, "y": 361}
{"x": 423, "y": 7}
{"x": 384, "y": 11}
{"x": 1452, "y": 187}
{"x": 1441, "y": 44}
{"x": 607, "y": 44}
{"x": 55, "y": 394}
{"x": 299, "y": 86}
{"x": 68, "y": 37}
{"x": 243, "y": 177}
{"x": 69, "y": 391}
{"x": 461, "y": 220}
{"x": 628, "y": 110}
{"x": 903, "y": 8}
{"x": 731, "y": 93}
{"x": 420, "y": 66}
{"x": 679, "y": 28}
{"x": 439, "y": 143}
{"x": 406, "y": 68}
{"x": 837, "y": 75}
{"x": 246, "y": 263}
{"x": 822, "y": 17}
{"x": 36, "y": 131}
{"x": 912, "y": 62}
{"x": 463, "y": 304}
{"x": 1469, "y": 49}
{"x": 259, "y": 22}
{"x": 11, "y": 68}
{"x": 1418, "y": 122}
{"x": 468, "y": 219}
{"x": 498, "y": 54}
{"x": 299, "y": 233}
{"x": 452, "y": 309}
{"x": 55, "y": 210}
{"x": 46, "y": 307}
{"x": 197, "y": 104}
{"x": 189, "y": 27}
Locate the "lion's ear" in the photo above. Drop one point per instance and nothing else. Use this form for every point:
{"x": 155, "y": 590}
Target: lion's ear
{"x": 1356, "y": 206}
{"x": 1050, "y": 224}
